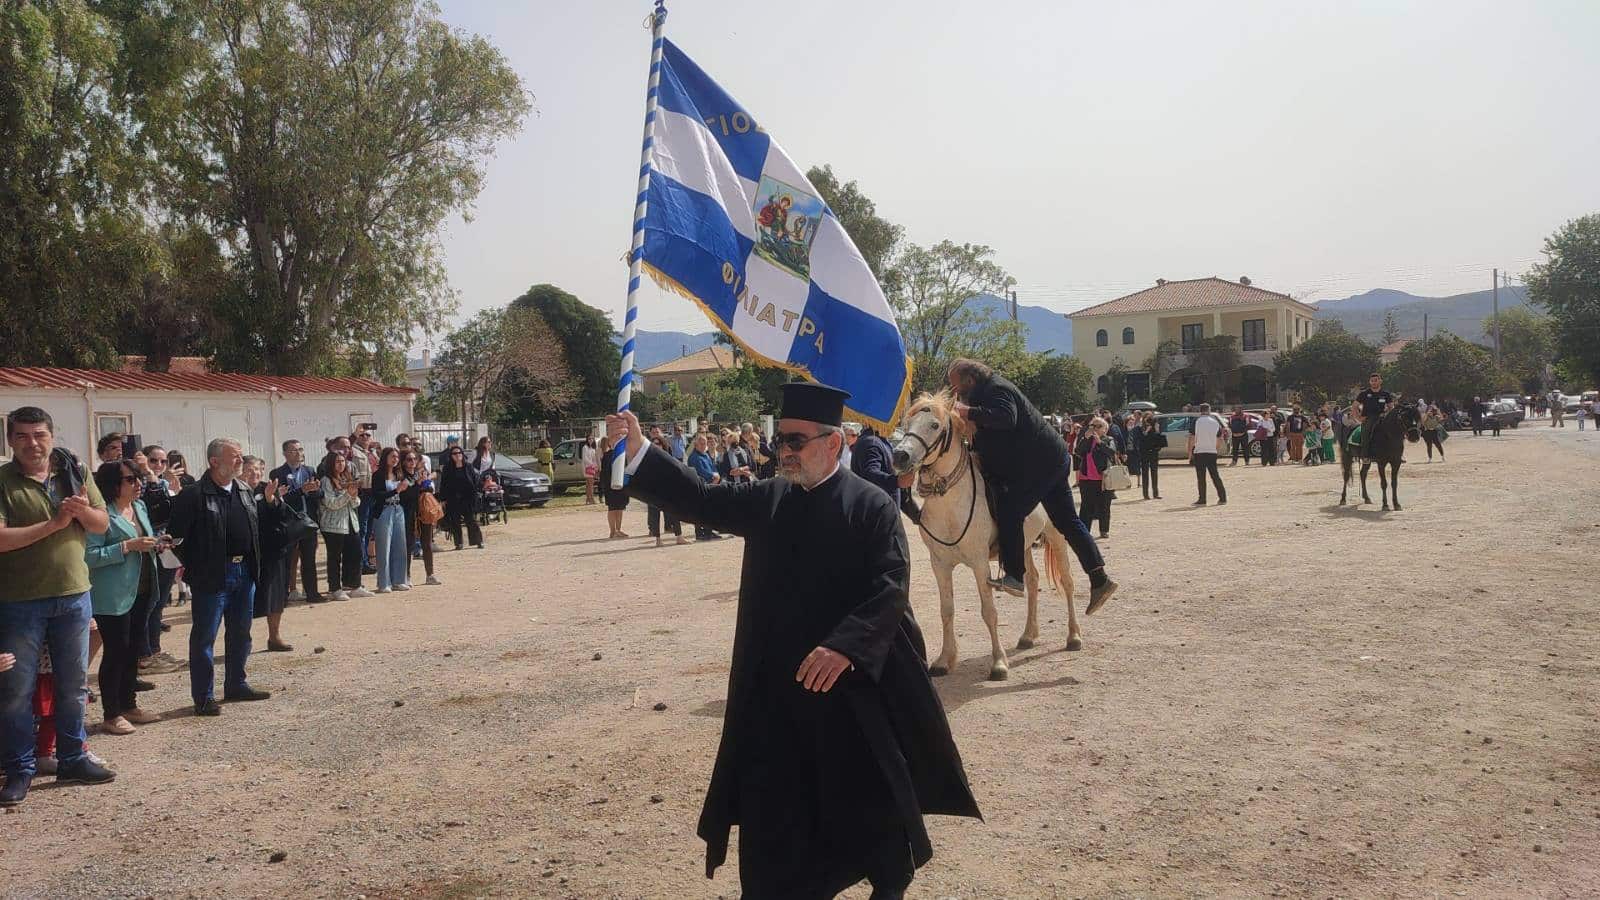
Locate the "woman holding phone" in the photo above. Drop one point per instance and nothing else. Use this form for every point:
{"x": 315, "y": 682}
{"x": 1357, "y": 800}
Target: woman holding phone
{"x": 122, "y": 577}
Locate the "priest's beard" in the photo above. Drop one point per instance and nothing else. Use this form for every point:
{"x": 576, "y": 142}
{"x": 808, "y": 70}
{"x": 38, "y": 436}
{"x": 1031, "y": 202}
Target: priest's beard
{"x": 806, "y": 469}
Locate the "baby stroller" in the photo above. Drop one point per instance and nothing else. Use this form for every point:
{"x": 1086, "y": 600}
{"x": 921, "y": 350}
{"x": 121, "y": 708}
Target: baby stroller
{"x": 492, "y": 506}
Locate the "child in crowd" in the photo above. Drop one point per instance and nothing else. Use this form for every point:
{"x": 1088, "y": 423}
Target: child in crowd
{"x": 1327, "y": 439}
{"x": 1313, "y": 447}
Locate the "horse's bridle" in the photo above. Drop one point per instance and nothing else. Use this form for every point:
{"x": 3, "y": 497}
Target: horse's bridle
{"x": 942, "y": 484}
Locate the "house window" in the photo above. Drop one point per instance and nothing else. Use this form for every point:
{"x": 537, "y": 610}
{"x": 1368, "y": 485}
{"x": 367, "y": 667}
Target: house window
{"x": 1100, "y": 384}
{"x": 1101, "y": 339}
{"x": 1192, "y": 335}
{"x": 1137, "y": 385}
{"x": 1127, "y": 335}
{"x": 111, "y": 423}
{"x": 1255, "y": 334}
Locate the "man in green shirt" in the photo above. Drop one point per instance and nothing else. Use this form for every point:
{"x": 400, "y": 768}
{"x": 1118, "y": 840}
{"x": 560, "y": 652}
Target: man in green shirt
{"x": 48, "y": 503}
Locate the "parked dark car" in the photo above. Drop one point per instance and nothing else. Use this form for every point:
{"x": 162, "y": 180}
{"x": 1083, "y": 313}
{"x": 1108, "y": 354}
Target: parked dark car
{"x": 1507, "y": 413}
{"x": 523, "y": 486}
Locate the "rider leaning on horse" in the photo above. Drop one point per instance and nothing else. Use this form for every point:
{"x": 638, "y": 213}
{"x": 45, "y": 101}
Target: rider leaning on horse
{"x": 1028, "y": 463}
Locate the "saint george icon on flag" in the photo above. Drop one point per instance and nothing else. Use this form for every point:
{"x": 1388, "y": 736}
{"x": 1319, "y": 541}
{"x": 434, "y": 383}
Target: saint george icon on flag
{"x": 733, "y": 224}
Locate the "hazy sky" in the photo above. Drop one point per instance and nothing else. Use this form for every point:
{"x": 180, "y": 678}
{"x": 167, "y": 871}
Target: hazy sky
{"x": 1322, "y": 149}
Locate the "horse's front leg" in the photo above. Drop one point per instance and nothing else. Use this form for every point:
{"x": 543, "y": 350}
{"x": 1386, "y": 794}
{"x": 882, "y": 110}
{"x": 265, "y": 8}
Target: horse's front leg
{"x": 946, "y": 660}
{"x": 1344, "y": 491}
{"x": 1394, "y": 486}
{"x": 1383, "y": 484}
{"x": 1365, "y": 466}
{"x": 999, "y": 669}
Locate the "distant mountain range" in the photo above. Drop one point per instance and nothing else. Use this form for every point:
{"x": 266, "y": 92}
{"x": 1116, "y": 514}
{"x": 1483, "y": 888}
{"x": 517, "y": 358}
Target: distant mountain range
{"x": 1046, "y": 330}
{"x": 1461, "y": 314}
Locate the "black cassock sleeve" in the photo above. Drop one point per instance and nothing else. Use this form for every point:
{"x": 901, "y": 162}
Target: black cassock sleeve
{"x": 867, "y": 633}
{"x": 662, "y": 481}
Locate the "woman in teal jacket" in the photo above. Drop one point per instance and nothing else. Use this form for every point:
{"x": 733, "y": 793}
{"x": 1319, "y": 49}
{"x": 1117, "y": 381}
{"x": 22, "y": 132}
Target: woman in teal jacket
{"x": 122, "y": 574}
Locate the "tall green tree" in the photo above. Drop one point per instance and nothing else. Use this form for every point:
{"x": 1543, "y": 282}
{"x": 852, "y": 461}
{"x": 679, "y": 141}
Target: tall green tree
{"x": 876, "y": 237}
{"x": 1527, "y": 345}
{"x": 1056, "y": 384}
{"x": 592, "y": 358}
{"x": 1449, "y": 368}
{"x": 328, "y": 140}
{"x": 931, "y": 299}
{"x": 1329, "y": 363}
{"x": 475, "y": 366}
{"x": 1567, "y": 286}
{"x": 70, "y": 184}
{"x": 1391, "y": 328}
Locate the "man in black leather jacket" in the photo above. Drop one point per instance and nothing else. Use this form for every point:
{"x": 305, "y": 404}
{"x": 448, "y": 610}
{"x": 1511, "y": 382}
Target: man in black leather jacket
{"x": 215, "y": 520}
{"x": 1029, "y": 465}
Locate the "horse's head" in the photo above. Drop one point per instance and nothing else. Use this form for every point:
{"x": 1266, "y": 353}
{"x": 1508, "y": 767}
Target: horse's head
{"x": 1406, "y": 418}
{"x": 929, "y": 429}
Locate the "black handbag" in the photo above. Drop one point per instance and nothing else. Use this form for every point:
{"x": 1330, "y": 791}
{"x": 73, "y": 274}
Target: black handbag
{"x": 297, "y": 526}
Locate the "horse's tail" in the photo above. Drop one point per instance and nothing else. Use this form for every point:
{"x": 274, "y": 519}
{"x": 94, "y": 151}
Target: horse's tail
{"x": 1055, "y": 561}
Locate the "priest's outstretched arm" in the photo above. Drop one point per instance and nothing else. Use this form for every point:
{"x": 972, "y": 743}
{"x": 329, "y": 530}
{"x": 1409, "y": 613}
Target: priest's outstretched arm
{"x": 866, "y": 635}
{"x": 659, "y": 480}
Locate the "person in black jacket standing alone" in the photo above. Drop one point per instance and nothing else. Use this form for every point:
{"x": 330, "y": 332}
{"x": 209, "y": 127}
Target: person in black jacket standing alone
{"x": 1028, "y": 463}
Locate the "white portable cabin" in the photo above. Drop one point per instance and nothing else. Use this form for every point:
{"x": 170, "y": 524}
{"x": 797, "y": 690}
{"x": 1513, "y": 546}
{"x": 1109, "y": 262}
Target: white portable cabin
{"x": 183, "y": 412}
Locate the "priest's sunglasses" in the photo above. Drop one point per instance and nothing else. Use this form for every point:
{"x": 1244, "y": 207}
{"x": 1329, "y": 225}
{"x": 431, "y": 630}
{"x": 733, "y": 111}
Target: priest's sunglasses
{"x": 794, "y": 440}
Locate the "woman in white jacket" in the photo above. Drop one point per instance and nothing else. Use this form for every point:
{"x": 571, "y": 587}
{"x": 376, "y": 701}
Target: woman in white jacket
{"x": 339, "y": 520}
{"x": 591, "y": 469}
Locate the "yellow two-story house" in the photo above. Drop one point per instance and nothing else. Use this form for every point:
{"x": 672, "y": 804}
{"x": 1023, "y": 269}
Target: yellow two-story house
{"x": 1176, "y": 316}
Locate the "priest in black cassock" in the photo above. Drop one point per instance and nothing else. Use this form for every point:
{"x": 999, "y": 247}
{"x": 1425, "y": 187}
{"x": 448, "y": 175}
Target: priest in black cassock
{"x": 834, "y": 743}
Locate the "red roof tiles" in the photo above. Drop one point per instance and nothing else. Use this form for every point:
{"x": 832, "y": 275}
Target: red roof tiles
{"x": 1196, "y": 293}
{"x": 211, "y": 382}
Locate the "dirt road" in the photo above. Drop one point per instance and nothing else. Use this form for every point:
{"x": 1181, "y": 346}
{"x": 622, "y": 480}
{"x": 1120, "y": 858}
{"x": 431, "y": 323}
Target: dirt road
{"x": 1286, "y": 698}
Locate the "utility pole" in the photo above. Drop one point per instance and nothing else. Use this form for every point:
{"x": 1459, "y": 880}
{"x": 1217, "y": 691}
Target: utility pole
{"x": 1424, "y": 335}
{"x": 1497, "y": 318}
{"x": 1013, "y": 298}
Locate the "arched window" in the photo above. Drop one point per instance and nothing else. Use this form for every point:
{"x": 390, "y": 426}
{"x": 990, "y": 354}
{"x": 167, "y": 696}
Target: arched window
{"x": 1100, "y": 385}
{"x": 1101, "y": 339}
{"x": 1127, "y": 335}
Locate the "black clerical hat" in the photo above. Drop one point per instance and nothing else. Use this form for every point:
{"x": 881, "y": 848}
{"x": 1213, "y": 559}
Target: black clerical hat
{"x": 813, "y": 403}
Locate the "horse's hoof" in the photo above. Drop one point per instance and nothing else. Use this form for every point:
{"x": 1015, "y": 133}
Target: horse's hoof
{"x": 1024, "y": 644}
{"x": 1075, "y": 644}
{"x": 1386, "y": 507}
{"x": 938, "y": 671}
{"x": 998, "y": 674}
{"x": 1341, "y": 502}
{"x": 1397, "y": 507}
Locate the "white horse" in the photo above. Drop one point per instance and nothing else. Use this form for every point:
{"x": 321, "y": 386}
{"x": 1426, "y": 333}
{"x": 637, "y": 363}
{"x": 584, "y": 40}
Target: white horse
{"x": 958, "y": 528}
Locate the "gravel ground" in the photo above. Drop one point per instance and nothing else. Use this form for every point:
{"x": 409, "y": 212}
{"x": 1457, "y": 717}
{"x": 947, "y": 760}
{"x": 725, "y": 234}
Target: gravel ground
{"x": 1286, "y": 698}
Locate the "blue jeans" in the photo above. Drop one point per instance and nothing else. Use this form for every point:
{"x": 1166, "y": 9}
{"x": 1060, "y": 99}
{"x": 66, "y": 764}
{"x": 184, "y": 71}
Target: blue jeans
{"x": 236, "y": 603}
{"x": 365, "y": 513}
{"x": 27, "y": 627}
{"x": 394, "y": 556}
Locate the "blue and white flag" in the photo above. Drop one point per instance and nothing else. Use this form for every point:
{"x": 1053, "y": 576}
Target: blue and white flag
{"x": 732, "y": 223}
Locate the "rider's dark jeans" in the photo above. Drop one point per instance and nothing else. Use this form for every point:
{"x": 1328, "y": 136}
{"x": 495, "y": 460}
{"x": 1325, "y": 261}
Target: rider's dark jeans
{"x": 1241, "y": 447}
{"x": 1012, "y": 507}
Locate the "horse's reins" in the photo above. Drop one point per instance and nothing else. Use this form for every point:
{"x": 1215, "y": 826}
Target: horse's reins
{"x": 942, "y": 484}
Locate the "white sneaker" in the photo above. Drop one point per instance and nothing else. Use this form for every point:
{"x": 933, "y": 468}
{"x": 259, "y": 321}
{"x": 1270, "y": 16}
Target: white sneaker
{"x": 403, "y": 586}
{"x": 383, "y": 590}
{"x": 434, "y": 580}
{"x": 46, "y": 765}
{"x": 341, "y": 595}
{"x": 360, "y": 592}
{"x": 89, "y": 755}
{"x": 296, "y": 596}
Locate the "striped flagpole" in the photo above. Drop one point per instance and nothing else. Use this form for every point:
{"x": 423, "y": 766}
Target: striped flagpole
{"x": 658, "y": 21}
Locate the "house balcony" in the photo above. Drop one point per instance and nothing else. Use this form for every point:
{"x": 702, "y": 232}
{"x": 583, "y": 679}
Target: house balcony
{"x": 1260, "y": 354}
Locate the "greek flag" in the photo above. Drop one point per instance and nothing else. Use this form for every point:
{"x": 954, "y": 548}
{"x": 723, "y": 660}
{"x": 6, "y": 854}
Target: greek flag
{"x": 732, "y": 223}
